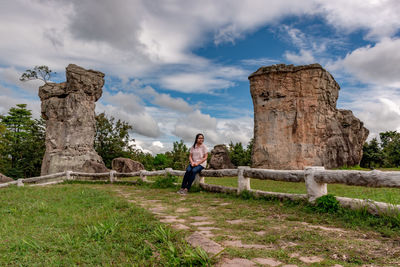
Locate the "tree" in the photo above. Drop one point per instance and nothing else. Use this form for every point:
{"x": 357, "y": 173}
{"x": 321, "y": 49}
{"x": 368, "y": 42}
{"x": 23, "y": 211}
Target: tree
{"x": 238, "y": 155}
{"x": 112, "y": 139}
{"x": 22, "y": 143}
{"x": 390, "y": 143}
{"x": 162, "y": 161}
{"x": 179, "y": 156}
{"x": 42, "y": 73}
{"x": 372, "y": 155}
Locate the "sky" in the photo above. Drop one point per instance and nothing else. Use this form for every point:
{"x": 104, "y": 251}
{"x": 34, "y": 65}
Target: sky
{"x": 175, "y": 68}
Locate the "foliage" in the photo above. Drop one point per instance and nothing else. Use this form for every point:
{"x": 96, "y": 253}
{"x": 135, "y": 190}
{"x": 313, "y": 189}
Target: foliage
{"x": 162, "y": 161}
{"x": 179, "y": 156}
{"x": 37, "y": 73}
{"x": 240, "y": 156}
{"x": 385, "y": 153}
{"x": 22, "y": 143}
{"x": 167, "y": 181}
{"x": 112, "y": 139}
{"x": 327, "y": 203}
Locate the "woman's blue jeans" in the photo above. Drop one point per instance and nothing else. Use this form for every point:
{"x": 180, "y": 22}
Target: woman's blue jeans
{"x": 190, "y": 175}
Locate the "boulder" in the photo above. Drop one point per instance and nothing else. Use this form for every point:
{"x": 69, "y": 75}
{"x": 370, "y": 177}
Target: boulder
{"x": 220, "y": 158}
{"x": 5, "y": 179}
{"x": 69, "y": 111}
{"x": 296, "y": 122}
{"x": 92, "y": 166}
{"x": 126, "y": 165}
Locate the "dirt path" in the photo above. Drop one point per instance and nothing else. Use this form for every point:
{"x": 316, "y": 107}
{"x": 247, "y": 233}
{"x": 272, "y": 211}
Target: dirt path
{"x": 254, "y": 233}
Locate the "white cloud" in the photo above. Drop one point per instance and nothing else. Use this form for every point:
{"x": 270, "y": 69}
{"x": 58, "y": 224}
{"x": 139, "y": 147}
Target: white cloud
{"x": 165, "y": 100}
{"x": 379, "y": 17}
{"x": 11, "y": 76}
{"x": 259, "y": 61}
{"x": 380, "y": 113}
{"x": 379, "y": 64}
{"x": 303, "y": 57}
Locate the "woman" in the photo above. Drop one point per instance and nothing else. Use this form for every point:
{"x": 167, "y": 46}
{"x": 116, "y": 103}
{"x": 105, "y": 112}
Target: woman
{"x": 198, "y": 161}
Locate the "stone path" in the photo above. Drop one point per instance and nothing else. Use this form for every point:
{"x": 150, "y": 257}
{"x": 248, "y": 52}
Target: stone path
{"x": 204, "y": 231}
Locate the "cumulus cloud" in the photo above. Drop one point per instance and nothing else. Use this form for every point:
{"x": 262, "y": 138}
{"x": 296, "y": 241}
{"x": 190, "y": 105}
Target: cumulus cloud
{"x": 379, "y": 17}
{"x": 379, "y": 113}
{"x": 303, "y": 57}
{"x": 379, "y": 64}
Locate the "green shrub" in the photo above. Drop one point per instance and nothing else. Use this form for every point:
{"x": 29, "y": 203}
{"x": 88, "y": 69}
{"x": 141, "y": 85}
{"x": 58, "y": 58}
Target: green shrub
{"x": 165, "y": 181}
{"x": 327, "y": 203}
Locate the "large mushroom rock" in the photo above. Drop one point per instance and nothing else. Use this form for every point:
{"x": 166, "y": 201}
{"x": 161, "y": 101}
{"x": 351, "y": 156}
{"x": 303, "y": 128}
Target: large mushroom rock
{"x": 5, "y": 179}
{"x": 220, "y": 158}
{"x": 126, "y": 165}
{"x": 69, "y": 111}
{"x": 296, "y": 123}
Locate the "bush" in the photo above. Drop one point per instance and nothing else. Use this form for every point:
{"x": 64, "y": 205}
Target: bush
{"x": 327, "y": 203}
{"x": 165, "y": 181}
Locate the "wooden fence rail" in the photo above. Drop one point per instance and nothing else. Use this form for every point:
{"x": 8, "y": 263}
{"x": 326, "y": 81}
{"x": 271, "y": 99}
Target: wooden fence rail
{"x": 315, "y": 178}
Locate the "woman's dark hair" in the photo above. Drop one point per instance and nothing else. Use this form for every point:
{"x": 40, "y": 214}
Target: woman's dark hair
{"x": 197, "y": 137}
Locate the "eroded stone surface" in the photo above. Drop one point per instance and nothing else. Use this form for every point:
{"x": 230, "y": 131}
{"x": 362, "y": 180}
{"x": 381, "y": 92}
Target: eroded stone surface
{"x": 69, "y": 111}
{"x": 201, "y": 223}
{"x": 220, "y": 158}
{"x": 239, "y": 244}
{"x": 5, "y": 179}
{"x": 199, "y": 218}
{"x": 296, "y": 122}
{"x": 267, "y": 261}
{"x": 180, "y": 226}
{"x": 182, "y": 210}
{"x": 126, "y": 165}
{"x": 237, "y": 262}
{"x": 312, "y": 259}
{"x": 198, "y": 240}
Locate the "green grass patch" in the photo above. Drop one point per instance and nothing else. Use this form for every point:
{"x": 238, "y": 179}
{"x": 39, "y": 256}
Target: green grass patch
{"x": 68, "y": 225}
{"x": 388, "y": 195}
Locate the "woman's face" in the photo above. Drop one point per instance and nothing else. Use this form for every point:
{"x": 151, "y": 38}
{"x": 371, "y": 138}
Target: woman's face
{"x": 200, "y": 139}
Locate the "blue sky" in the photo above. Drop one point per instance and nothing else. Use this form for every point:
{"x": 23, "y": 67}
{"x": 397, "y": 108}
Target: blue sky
{"x": 175, "y": 68}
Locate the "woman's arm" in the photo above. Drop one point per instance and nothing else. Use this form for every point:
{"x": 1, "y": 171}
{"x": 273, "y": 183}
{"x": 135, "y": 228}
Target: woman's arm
{"x": 191, "y": 160}
{"x": 203, "y": 159}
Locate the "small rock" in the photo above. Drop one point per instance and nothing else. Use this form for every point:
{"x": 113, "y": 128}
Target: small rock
{"x": 201, "y": 223}
{"x": 312, "y": 259}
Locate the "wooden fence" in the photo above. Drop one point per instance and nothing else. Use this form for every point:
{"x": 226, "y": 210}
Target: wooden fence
{"x": 315, "y": 179}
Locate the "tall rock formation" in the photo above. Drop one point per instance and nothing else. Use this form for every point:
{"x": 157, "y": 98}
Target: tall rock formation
{"x": 296, "y": 123}
{"x": 69, "y": 111}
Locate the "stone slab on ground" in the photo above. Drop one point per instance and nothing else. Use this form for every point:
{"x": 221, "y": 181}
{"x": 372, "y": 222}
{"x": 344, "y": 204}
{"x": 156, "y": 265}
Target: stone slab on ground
{"x": 201, "y": 223}
{"x": 198, "y": 240}
{"x": 239, "y": 244}
{"x": 267, "y": 261}
{"x": 236, "y": 262}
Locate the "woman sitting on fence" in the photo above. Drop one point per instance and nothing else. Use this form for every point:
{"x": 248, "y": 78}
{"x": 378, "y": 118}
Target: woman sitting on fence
{"x": 198, "y": 161}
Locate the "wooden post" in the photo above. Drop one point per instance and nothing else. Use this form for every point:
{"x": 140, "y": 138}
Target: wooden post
{"x": 20, "y": 183}
{"x": 243, "y": 182}
{"x": 314, "y": 189}
{"x": 112, "y": 176}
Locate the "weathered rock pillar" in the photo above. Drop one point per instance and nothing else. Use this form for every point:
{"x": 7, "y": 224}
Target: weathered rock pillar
{"x": 69, "y": 111}
{"x": 296, "y": 123}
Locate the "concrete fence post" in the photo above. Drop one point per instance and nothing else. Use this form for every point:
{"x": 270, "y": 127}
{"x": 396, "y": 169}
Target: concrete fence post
{"x": 143, "y": 177}
{"x": 243, "y": 182}
{"x": 314, "y": 189}
{"x": 199, "y": 179}
{"x": 168, "y": 171}
{"x": 112, "y": 176}
{"x": 68, "y": 175}
{"x": 20, "y": 183}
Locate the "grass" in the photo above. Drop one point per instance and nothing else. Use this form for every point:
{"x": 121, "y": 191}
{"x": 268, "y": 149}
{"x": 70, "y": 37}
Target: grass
{"x": 360, "y": 239}
{"x": 388, "y": 195}
{"x": 68, "y": 225}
